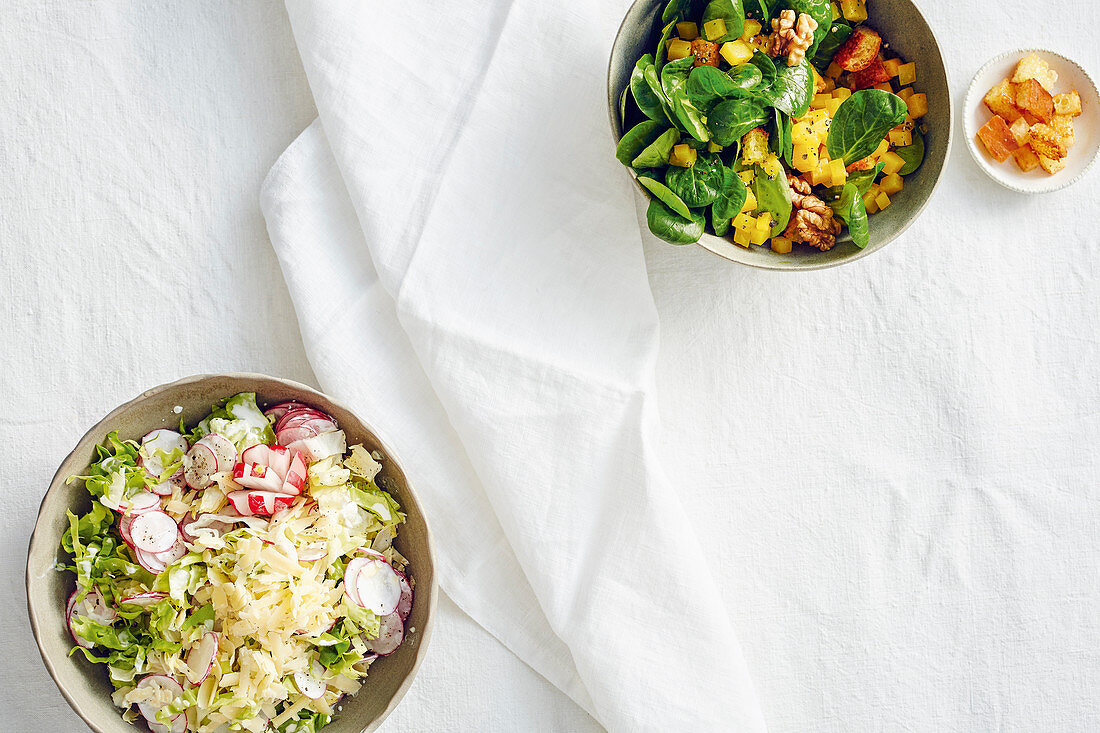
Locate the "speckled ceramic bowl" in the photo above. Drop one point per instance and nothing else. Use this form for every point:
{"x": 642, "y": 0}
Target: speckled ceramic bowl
{"x": 905, "y": 29}
{"x": 85, "y": 685}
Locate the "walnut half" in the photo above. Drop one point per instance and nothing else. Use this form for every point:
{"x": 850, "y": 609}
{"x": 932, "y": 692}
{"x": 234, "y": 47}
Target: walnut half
{"x": 792, "y": 36}
{"x": 812, "y": 221}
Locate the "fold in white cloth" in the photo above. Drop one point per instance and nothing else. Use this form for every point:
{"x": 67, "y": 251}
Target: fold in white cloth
{"x": 465, "y": 262}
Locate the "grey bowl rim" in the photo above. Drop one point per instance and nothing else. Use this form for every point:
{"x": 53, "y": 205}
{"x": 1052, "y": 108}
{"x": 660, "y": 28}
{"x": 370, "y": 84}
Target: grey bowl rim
{"x": 611, "y": 111}
{"x": 38, "y": 534}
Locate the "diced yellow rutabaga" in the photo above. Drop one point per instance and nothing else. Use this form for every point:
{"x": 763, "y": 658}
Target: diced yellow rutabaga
{"x": 687, "y": 30}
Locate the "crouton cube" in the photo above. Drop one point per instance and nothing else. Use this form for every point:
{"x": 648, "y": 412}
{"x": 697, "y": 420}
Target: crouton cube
{"x": 705, "y": 52}
{"x": 678, "y": 49}
{"x": 687, "y": 30}
{"x": 1026, "y": 159}
{"x": 714, "y": 29}
{"x": 891, "y": 184}
{"x": 736, "y": 52}
{"x": 870, "y": 76}
{"x": 918, "y": 105}
{"x": 907, "y": 73}
{"x": 1033, "y": 67}
{"x": 1001, "y": 100}
{"x": 1047, "y": 143}
{"x": 1033, "y": 98}
{"x": 998, "y": 139}
{"x": 1063, "y": 125}
{"x": 781, "y": 245}
{"x": 1021, "y": 131}
{"x": 859, "y": 50}
{"x": 682, "y": 155}
{"x": 754, "y": 146}
{"x": 1068, "y": 103}
{"x": 1052, "y": 165}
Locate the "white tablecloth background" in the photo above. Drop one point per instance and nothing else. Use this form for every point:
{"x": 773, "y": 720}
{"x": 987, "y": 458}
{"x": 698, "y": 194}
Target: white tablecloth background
{"x": 891, "y": 595}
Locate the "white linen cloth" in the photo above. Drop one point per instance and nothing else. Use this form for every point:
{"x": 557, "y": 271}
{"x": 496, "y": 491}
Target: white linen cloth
{"x": 467, "y": 270}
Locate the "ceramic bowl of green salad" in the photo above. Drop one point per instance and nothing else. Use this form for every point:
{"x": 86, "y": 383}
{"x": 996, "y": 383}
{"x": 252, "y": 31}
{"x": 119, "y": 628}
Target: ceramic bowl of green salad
{"x": 789, "y": 135}
{"x": 231, "y": 552}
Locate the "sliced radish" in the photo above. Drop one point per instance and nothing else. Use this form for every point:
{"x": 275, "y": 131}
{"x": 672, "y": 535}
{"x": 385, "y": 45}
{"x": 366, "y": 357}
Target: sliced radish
{"x": 224, "y": 451}
{"x": 124, "y": 522}
{"x": 153, "y": 531}
{"x": 320, "y": 447}
{"x": 159, "y": 441}
{"x": 295, "y": 475}
{"x": 200, "y": 658}
{"x": 173, "y": 553}
{"x": 92, "y": 606}
{"x": 144, "y": 599}
{"x": 259, "y": 502}
{"x": 139, "y": 503}
{"x": 165, "y": 488}
{"x": 165, "y": 687}
{"x": 391, "y": 633}
{"x": 405, "y": 603}
{"x": 309, "y": 685}
{"x": 277, "y": 411}
{"x": 70, "y": 612}
{"x": 298, "y": 415}
{"x": 199, "y": 465}
{"x": 377, "y": 587}
{"x": 150, "y": 562}
{"x": 351, "y": 572}
{"x": 257, "y": 476}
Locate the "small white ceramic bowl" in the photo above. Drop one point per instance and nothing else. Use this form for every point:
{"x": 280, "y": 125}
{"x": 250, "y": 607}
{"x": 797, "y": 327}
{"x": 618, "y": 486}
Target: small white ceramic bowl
{"x": 1086, "y": 127}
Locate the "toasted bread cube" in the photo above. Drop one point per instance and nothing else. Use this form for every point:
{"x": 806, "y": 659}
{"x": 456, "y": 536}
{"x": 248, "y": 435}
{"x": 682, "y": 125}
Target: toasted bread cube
{"x": 1026, "y": 158}
{"x": 705, "y": 52}
{"x": 859, "y": 50}
{"x": 1032, "y": 98}
{"x": 750, "y": 202}
{"x": 872, "y": 75}
{"x": 998, "y": 139}
{"x": 752, "y": 27}
{"x": 687, "y": 30}
{"x": 1033, "y": 67}
{"x": 854, "y": 10}
{"x": 882, "y": 200}
{"x": 918, "y": 105}
{"x": 905, "y": 93}
{"x": 714, "y": 29}
{"x": 736, "y": 52}
{"x": 683, "y": 155}
{"x": 891, "y": 66}
{"x": 1068, "y": 103}
{"x": 869, "y": 201}
{"x": 1021, "y": 131}
{"x": 1001, "y": 100}
{"x": 900, "y": 138}
{"x": 1052, "y": 165}
{"x": 1047, "y": 143}
{"x": 1063, "y": 125}
{"x": 834, "y": 70}
{"x": 891, "y": 184}
{"x": 678, "y": 49}
{"x": 907, "y": 73}
{"x": 805, "y": 158}
{"x": 892, "y": 163}
{"x": 781, "y": 245}
{"x": 754, "y": 145}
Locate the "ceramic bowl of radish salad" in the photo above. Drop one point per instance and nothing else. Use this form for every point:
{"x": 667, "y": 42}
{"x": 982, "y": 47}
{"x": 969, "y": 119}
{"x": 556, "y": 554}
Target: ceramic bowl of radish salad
{"x": 236, "y": 574}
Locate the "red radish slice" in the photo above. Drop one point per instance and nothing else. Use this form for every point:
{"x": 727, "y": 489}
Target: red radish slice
{"x": 298, "y": 414}
{"x": 351, "y": 572}
{"x": 405, "y": 603}
{"x": 124, "y": 522}
{"x": 391, "y": 633}
{"x": 320, "y": 447}
{"x": 295, "y": 476}
{"x": 173, "y": 553}
{"x": 256, "y": 476}
{"x": 139, "y": 503}
{"x": 154, "y": 531}
{"x": 150, "y": 562}
{"x": 199, "y": 465}
{"x": 144, "y": 599}
{"x": 258, "y": 502}
{"x": 276, "y": 411}
{"x": 224, "y": 450}
{"x": 310, "y": 422}
{"x": 159, "y": 441}
{"x": 70, "y": 612}
{"x": 159, "y": 683}
{"x": 200, "y": 658}
{"x": 92, "y": 606}
{"x": 309, "y": 685}
{"x": 377, "y": 587}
